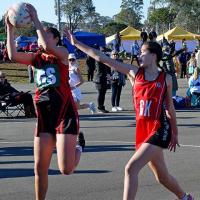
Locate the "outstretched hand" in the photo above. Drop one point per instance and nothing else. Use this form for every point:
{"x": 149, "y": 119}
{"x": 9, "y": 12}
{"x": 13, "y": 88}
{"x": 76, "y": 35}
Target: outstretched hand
{"x": 174, "y": 142}
{"x": 68, "y": 34}
{"x": 32, "y": 11}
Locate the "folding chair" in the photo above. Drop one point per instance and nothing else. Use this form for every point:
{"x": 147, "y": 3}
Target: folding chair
{"x": 10, "y": 109}
{"x": 195, "y": 100}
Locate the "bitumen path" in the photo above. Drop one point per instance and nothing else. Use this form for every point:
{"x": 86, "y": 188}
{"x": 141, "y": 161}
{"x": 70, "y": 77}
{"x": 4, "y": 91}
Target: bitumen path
{"x": 110, "y": 144}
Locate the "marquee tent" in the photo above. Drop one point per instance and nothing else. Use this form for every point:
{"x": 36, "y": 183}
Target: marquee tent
{"x": 87, "y": 38}
{"x": 177, "y": 34}
{"x": 24, "y": 40}
{"x": 128, "y": 35}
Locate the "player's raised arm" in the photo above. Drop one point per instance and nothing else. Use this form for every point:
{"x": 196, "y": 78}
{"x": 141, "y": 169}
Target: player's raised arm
{"x": 100, "y": 57}
{"x": 24, "y": 58}
{"x": 43, "y": 37}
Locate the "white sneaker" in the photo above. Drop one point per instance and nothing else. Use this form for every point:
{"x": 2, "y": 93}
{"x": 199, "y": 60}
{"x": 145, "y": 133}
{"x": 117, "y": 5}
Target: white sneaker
{"x": 92, "y": 107}
{"x": 119, "y": 108}
{"x": 114, "y": 109}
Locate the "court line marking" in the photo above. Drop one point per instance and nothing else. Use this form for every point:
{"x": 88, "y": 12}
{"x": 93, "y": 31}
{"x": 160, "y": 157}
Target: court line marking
{"x": 111, "y": 141}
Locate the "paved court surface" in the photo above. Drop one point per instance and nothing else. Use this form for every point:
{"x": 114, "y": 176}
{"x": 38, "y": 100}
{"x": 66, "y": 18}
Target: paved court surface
{"x": 110, "y": 144}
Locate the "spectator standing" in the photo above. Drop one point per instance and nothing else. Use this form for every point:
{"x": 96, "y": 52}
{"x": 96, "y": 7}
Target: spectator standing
{"x": 90, "y": 64}
{"x": 191, "y": 64}
{"x": 117, "y": 82}
{"x": 135, "y": 50}
{"x": 144, "y": 35}
{"x": 183, "y": 59}
{"x": 169, "y": 67}
{"x": 117, "y": 42}
{"x": 152, "y": 35}
{"x": 101, "y": 82}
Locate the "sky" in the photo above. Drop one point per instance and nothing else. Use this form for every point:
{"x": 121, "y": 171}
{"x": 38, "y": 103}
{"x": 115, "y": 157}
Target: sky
{"x": 45, "y": 8}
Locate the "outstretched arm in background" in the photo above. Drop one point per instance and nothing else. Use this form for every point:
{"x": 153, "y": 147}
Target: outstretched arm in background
{"x": 101, "y": 57}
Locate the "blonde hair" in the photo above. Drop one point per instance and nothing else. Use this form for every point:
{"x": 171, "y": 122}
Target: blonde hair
{"x": 196, "y": 73}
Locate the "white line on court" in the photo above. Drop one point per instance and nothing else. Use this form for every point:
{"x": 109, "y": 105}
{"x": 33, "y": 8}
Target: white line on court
{"x": 88, "y": 141}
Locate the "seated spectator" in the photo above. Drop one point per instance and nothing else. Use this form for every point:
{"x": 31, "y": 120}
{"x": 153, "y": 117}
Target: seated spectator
{"x": 15, "y": 97}
{"x": 194, "y": 82}
{"x": 194, "y": 87}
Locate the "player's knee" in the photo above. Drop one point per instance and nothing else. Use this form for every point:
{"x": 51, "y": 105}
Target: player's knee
{"x": 40, "y": 170}
{"x": 131, "y": 168}
{"x": 67, "y": 170}
{"x": 162, "y": 178}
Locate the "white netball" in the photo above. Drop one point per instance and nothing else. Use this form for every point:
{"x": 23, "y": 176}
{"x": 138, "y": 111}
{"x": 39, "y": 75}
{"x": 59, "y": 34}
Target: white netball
{"x": 18, "y": 15}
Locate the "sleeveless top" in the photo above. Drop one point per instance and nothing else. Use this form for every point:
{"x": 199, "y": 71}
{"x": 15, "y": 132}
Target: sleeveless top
{"x": 50, "y": 76}
{"x": 149, "y": 102}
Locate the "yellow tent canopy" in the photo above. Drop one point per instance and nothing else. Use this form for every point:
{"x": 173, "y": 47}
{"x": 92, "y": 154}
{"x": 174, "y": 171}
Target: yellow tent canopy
{"x": 178, "y": 33}
{"x": 128, "y": 33}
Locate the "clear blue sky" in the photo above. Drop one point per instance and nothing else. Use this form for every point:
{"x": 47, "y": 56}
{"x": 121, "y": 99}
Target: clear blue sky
{"x": 45, "y": 8}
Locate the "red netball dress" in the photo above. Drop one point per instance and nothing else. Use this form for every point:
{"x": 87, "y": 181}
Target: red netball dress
{"x": 152, "y": 125}
{"x": 56, "y": 111}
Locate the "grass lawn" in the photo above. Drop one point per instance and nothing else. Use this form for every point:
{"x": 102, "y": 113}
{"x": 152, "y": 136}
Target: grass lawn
{"x": 18, "y": 73}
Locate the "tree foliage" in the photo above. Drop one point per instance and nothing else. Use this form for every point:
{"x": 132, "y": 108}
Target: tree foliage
{"x": 76, "y": 12}
{"x": 181, "y": 12}
{"x": 113, "y": 27}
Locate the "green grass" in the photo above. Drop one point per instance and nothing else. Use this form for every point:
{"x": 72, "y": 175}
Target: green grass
{"x": 18, "y": 73}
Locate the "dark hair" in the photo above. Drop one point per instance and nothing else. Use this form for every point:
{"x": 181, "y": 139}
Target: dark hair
{"x": 155, "y": 48}
{"x": 56, "y": 34}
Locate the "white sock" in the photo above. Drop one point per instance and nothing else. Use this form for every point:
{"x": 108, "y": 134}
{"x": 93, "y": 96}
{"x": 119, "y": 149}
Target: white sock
{"x": 79, "y": 148}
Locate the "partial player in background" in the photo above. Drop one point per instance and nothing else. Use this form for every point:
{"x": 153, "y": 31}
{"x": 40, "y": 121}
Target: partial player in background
{"x": 57, "y": 116}
{"x": 75, "y": 81}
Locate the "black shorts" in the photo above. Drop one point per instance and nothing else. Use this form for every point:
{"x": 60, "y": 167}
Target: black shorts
{"x": 57, "y": 117}
{"x": 162, "y": 136}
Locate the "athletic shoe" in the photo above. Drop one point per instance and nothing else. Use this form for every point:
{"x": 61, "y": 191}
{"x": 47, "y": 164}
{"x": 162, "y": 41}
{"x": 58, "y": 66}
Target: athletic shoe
{"x": 103, "y": 111}
{"x": 114, "y": 109}
{"x": 92, "y": 107}
{"x": 119, "y": 108}
{"x": 81, "y": 140}
{"x": 189, "y": 197}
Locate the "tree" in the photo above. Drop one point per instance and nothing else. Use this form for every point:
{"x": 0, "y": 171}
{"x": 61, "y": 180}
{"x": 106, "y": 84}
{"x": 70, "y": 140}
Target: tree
{"x": 135, "y": 5}
{"x": 76, "y": 12}
{"x": 160, "y": 17}
{"x": 112, "y": 28}
{"x": 129, "y": 17}
{"x": 183, "y": 13}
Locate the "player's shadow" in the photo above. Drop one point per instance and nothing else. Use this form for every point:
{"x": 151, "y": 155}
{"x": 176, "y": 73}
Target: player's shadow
{"x": 16, "y": 151}
{"x": 189, "y": 125}
{"x": 107, "y": 117}
{"x": 21, "y": 172}
{"x": 27, "y": 172}
{"x": 111, "y": 148}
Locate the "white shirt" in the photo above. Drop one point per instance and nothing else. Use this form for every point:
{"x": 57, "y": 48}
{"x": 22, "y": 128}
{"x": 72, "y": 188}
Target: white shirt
{"x": 73, "y": 75}
{"x": 198, "y": 58}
